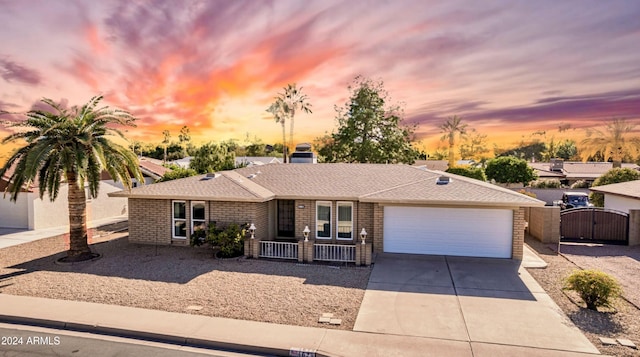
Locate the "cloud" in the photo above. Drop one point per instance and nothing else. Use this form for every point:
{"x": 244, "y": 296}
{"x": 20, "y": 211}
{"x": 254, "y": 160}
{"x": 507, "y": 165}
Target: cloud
{"x": 15, "y": 72}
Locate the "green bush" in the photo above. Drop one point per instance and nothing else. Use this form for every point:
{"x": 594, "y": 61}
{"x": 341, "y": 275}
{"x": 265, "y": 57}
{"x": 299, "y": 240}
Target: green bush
{"x": 596, "y": 288}
{"x": 229, "y": 241}
{"x": 580, "y": 184}
{"x": 553, "y": 183}
{"x": 615, "y": 175}
{"x": 473, "y": 172}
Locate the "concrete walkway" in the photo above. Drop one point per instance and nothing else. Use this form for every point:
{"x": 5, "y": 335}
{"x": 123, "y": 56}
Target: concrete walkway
{"x": 476, "y": 300}
{"x": 249, "y": 336}
{"x": 13, "y": 236}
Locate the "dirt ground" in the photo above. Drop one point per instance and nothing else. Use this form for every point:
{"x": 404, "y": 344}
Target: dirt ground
{"x": 187, "y": 280}
{"x": 623, "y": 321}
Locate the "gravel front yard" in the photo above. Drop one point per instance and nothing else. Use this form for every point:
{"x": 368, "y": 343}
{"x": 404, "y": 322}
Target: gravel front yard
{"x": 174, "y": 278}
{"x": 623, "y": 322}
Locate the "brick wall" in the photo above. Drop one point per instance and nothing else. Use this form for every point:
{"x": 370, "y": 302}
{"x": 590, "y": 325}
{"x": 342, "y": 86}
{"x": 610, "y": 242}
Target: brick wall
{"x": 365, "y": 220}
{"x": 634, "y": 227}
{"x": 149, "y": 221}
{"x": 518, "y": 234}
{"x": 305, "y": 217}
{"x": 376, "y": 236}
{"x": 544, "y": 223}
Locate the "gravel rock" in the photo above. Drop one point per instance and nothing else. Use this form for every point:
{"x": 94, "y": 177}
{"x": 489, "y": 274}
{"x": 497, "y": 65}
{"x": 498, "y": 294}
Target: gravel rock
{"x": 173, "y": 278}
{"x": 623, "y": 321}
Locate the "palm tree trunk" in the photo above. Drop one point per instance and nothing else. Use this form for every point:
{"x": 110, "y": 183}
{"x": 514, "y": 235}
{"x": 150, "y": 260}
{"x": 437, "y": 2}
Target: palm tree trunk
{"x": 293, "y": 113}
{"x": 452, "y": 157}
{"x": 78, "y": 244}
{"x": 284, "y": 144}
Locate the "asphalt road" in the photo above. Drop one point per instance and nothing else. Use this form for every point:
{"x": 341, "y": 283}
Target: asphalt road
{"x": 18, "y": 340}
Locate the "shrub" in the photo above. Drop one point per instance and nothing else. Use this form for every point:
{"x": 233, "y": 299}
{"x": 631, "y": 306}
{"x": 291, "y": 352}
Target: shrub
{"x": 476, "y": 173}
{"x": 615, "y": 175}
{"x": 525, "y": 192}
{"x": 553, "y": 183}
{"x": 229, "y": 241}
{"x": 580, "y": 184}
{"x": 596, "y": 288}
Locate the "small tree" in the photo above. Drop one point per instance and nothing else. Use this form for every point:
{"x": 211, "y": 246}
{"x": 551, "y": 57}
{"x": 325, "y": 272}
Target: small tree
{"x": 369, "y": 131}
{"x": 212, "y": 157}
{"x": 594, "y": 287}
{"x": 615, "y": 175}
{"x": 177, "y": 173}
{"x": 473, "y": 172}
{"x": 509, "y": 169}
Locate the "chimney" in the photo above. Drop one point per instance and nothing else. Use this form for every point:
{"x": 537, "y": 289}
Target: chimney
{"x": 303, "y": 154}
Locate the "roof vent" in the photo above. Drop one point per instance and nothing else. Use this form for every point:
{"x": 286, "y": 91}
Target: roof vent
{"x": 209, "y": 176}
{"x": 443, "y": 180}
{"x": 556, "y": 165}
{"x": 252, "y": 176}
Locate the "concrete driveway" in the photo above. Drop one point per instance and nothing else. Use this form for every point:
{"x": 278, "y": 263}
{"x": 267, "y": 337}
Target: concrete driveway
{"x": 486, "y": 302}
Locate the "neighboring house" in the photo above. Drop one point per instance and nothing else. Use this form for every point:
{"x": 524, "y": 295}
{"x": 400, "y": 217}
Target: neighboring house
{"x": 248, "y": 161}
{"x": 438, "y": 165}
{"x": 30, "y": 212}
{"x": 622, "y": 196}
{"x": 240, "y": 161}
{"x": 569, "y": 172}
{"x": 402, "y": 208}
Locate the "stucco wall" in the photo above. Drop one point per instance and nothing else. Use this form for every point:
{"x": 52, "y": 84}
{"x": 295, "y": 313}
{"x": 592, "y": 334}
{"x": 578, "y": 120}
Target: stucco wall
{"x": 47, "y": 214}
{"x": 620, "y": 203}
{"x": 15, "y": 214}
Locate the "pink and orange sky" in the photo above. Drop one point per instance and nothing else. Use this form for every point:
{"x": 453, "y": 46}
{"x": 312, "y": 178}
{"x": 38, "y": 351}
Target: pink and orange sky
{"x": 509, "y": 68}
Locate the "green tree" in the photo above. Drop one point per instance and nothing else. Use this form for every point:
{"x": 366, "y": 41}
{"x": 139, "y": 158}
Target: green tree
{"x": 527, "y": 151}
{"x": 615, "y": 175}
{"x": 451, "y": 128}
{"x": 567, "y": 150}
{"x": 72, "y": 145}
{"x": 474, "y": 146}
{"x": 614, "y": 143}
{"x": 509, "y": 169}
{"x": 368, "y": 130}
{"x": 473, "y": 172}
{"x": 177, "y": 173}
{"x": 213, "y": 157}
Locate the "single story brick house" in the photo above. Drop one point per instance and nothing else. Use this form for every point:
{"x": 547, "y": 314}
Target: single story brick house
{"x": 403, "y": 209}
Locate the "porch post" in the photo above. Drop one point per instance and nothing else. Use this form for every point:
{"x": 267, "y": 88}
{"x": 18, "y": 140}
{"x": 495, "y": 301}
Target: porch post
{"x": 301, "y": 250}
{"x": 308, "y": 251}
{"x": 255, "y": 249}
{"x": 367, "y": 254}
{"x": 359, "y": 252}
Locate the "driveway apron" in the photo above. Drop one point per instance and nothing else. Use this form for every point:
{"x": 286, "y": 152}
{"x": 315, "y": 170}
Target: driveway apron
{"x": 479, "y": 300}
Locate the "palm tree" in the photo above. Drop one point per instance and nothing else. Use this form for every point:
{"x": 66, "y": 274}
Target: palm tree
{"x": 450, "y": 128}
{"x": 73, "y": 145}
{"x": 614, "y": 143}
{"x": 277, "y": 109}
{"x": 294, "y": 99}
{"x": 165, "y": 141}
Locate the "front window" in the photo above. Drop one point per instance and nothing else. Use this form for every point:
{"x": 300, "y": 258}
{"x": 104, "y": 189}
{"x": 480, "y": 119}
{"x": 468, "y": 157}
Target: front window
{"x": 179, "y": 219}
{"x": 345, "y": 220}
{"x": 323, "y": 220}
{"x": 198, "y": 215}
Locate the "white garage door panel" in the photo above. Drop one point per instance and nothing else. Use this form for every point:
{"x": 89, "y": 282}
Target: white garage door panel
{"x": 448, "y": 231}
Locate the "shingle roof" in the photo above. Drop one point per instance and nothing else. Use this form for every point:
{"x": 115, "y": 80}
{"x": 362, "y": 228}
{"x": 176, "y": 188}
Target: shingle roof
{"x": 627, "y": 189}
{"x": 151, "y": 169}
{"x": 578, "y": 170}
{"x": 365, "y": 182}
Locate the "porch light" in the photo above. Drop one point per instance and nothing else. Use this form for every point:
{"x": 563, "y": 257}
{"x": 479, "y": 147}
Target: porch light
{"x": 252, "y": 230}
{"x": 306, "y": 233}
{"x": 363, "y": 235}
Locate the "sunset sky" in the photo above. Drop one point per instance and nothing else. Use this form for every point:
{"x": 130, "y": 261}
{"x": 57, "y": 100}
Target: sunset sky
{"x": 509, "y": 68}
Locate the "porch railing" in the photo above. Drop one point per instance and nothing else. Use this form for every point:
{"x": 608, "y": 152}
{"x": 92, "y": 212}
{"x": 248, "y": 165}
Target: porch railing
{"x": 334, "y": 252}
{"x": 279, "y": 250}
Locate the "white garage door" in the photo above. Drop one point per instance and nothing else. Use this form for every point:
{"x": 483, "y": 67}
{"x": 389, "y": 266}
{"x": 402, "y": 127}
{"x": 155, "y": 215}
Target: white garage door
{"x": 467, "y": 232}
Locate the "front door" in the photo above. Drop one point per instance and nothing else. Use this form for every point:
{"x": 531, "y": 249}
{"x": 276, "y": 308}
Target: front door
{"x": 286, "y": 218}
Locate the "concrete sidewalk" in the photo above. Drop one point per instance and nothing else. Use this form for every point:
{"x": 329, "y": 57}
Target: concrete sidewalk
{"x": 11, "y": 236}
{"x": 249, "y": 336}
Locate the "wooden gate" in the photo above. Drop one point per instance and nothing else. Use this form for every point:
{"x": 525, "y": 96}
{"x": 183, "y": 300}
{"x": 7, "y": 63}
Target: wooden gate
{"x": 594, "y": 224}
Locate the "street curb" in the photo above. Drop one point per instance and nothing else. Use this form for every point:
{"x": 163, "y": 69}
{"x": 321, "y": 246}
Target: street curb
{"x": 148, "y": 336}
